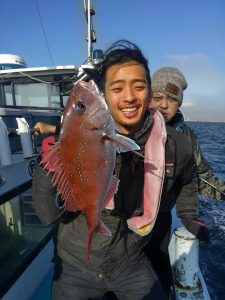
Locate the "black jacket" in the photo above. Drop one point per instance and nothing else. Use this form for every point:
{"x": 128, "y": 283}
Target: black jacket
{"x": 180, "y": 184}
{"x": 110, "y": 255}
{"x": 204, "y": 169}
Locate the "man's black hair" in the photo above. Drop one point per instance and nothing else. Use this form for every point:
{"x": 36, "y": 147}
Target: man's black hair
{"x": 120, "y": 52}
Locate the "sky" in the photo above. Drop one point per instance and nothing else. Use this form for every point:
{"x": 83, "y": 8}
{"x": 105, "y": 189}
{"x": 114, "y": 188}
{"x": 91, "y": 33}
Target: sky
{"x": 187, "y": 34}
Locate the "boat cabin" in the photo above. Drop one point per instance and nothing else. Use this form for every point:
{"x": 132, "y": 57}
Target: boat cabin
{"x": 27, "y": 95}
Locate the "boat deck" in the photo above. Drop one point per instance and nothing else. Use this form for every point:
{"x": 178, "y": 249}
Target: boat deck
{"x": 44, "y": 291}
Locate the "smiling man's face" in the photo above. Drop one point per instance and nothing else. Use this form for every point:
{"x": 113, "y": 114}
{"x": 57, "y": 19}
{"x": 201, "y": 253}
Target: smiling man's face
{"x": 127, "y": 94}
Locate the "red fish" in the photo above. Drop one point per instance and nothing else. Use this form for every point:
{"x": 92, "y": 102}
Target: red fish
{"x": 84, "y": 158}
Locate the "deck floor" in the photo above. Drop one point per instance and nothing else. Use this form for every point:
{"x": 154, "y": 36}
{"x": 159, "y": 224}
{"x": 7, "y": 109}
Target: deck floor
{"x": 44, "y": 292}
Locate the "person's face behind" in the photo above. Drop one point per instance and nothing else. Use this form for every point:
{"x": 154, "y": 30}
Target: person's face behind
{"x": 127, "y": 94}
{"x": 166, "y": 105}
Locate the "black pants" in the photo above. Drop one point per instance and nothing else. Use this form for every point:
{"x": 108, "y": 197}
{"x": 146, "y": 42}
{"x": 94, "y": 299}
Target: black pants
{"x": 135, "y": 283}
{"x": 157, "y": 250}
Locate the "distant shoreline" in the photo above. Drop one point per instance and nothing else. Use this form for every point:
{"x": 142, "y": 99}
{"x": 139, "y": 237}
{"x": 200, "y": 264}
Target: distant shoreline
{"x": 204, "y": 121}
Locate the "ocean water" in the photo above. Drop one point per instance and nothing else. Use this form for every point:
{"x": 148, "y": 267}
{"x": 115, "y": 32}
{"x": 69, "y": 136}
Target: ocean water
{"x": 211, "y": 137}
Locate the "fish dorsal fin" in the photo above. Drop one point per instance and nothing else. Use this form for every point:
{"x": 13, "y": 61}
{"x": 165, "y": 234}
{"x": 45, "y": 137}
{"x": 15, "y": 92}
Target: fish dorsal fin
{"x": 52, "y": 162}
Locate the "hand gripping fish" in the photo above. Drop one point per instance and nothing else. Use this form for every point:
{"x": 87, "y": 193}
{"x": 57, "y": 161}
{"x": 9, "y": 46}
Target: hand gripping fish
{"x": 84, "y": 158}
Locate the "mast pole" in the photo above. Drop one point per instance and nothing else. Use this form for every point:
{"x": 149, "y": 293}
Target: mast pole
{"x": 89, "y": 32}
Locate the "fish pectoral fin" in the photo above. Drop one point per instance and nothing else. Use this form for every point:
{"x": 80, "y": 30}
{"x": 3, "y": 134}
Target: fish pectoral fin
{"x": 103, "y": 229}
{"x": 124, "y": 144}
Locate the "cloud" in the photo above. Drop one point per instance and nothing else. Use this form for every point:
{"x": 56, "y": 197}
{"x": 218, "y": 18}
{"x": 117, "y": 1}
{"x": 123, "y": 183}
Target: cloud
{"x": 187, "y": 58}
{"x": 186, "y": 104}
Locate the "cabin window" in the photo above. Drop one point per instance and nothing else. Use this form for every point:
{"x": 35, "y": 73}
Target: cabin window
{"x": 65, "y": 98}
{"x": 8, "y": 98}
{"x": 37, "y": 95}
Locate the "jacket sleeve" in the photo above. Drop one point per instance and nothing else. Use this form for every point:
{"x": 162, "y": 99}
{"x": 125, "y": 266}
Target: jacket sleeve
{"x": 204, "y": 171}
{"x": 187, "y": 200}
{"x": 44, "y": 196}
{"x": 186, "y": 192}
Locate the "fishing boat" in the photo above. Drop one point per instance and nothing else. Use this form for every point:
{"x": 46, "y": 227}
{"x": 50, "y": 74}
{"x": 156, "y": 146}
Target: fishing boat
{"x": 29, "y": 95}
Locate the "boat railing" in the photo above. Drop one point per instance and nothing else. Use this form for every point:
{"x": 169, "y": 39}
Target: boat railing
{"x": 184, "y": 258}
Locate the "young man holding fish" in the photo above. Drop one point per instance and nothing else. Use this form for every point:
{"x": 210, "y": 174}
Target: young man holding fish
{"x": 117, "y": 262}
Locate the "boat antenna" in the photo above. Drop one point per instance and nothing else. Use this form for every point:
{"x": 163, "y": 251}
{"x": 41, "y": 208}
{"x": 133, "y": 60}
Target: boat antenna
{"x": 91, "y": 37}
{"x": 87, "y": 70}
{"x": 43, "y": 29}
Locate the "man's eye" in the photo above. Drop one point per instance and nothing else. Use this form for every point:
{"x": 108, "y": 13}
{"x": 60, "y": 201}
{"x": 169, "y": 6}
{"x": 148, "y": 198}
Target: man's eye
{"x": 116, "y": 90}
{"x": 156, "y": 99}
{"x": 140, "y": 88}
{"x": 171, "y": 100}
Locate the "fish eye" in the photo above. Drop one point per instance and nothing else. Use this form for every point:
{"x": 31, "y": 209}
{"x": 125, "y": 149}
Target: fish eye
{"x": 81, "y": 106}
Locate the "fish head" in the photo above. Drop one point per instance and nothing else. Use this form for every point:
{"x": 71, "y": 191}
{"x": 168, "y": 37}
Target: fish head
{"x": 86, "y": 107}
